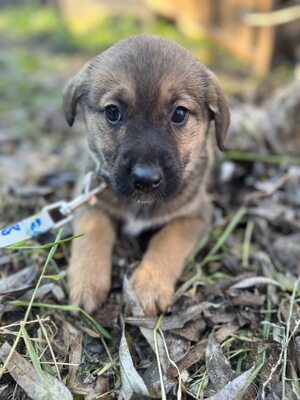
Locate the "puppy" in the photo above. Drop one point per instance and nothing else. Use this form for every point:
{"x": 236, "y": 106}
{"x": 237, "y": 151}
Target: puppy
{"x": 147, "y": 104}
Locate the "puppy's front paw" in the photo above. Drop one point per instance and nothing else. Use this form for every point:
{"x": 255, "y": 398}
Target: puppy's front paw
{"x": 153, "y": 288}
{"x": 87, "y": 288}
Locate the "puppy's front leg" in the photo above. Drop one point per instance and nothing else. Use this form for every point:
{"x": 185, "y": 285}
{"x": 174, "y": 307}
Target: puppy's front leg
{"x": 90, "y": 267}
{"x": 154, "y": 280}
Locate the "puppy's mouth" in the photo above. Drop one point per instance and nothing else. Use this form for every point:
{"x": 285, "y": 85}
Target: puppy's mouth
{"x": 146, "y": 197}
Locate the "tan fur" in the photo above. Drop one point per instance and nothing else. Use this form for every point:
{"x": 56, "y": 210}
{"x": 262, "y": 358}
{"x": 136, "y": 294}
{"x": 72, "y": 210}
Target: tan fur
{"x": 155, "y": 279}
{"x": 150, "y": 86}
{"x": 90, "y": 267}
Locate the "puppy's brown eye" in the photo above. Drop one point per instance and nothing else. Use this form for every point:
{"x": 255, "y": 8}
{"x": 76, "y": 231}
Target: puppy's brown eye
{"x": 180, "y": 115}
{"x": 113, "y": 114}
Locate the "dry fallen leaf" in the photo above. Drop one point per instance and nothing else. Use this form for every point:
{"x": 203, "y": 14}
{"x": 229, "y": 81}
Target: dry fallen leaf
{"x": 233, "y": 388}
{"x": 147, "y": 333}
{"x": 18, "y": 280}
{"x": 45, "y": 387}
{"x": 150, "y": 376}
{"x": 131, "y": 381}
{"x": 192, "y": 330}
{"x": 176, "y": 321}
{"x": 217, "y": 366}
{"x": 74, "y": 360}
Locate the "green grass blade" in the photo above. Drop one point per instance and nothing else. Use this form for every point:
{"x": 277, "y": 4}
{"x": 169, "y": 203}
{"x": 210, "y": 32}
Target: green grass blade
{"x": 22, "y": 246}
{"x": 229, "y": 229}
{"x": 55, "y": 277}
{"x": 32, "y": 354}
{"x": 266, "y": 158}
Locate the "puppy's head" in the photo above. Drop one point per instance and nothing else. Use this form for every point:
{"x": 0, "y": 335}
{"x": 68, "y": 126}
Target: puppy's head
{"x": 147, "y": 104}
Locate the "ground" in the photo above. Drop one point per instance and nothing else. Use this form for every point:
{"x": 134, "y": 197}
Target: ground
{"x": 233, "y": 329}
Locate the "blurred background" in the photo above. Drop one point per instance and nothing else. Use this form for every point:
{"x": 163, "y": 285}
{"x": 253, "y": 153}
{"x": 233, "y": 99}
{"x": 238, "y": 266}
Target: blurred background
{"x": 252, "y": 45}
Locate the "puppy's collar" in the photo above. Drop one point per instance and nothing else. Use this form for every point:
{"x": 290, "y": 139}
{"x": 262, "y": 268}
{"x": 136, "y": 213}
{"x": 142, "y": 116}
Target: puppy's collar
{"x": 99, "y": 170}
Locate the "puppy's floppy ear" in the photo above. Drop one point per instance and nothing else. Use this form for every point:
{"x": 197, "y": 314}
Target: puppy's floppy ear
{"x": 218, "y": 106}
{"x": 73, "y": 91}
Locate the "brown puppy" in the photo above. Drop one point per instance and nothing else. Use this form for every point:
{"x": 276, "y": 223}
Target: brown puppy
{"x": 147, "y": 105}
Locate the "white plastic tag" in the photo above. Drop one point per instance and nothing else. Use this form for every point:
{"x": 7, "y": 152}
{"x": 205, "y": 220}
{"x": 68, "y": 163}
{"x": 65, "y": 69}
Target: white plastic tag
{"x": 26, "y": 229}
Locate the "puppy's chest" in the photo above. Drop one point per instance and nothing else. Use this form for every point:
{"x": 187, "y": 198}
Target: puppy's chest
{"x": 134, "y": 227}
{"x": 134, "y": 219}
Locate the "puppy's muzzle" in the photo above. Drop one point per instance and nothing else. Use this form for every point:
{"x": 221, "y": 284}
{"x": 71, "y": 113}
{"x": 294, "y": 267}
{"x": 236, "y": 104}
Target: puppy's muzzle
{"x": 146, "y": 177}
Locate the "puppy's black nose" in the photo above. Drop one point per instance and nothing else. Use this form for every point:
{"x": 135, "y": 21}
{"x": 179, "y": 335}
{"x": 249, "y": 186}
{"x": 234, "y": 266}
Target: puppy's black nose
{"x": 146, "y": 176}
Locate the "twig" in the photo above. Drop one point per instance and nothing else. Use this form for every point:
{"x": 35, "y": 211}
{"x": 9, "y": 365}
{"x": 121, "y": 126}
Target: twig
{"x": 4, "y": 328}
{"x": 67, "y": 307}
{"x": 163, "y": 392}
{"x": 277, "y": 185}
{"x": 179, "y": 391}
{"x": 50, "y": 347}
